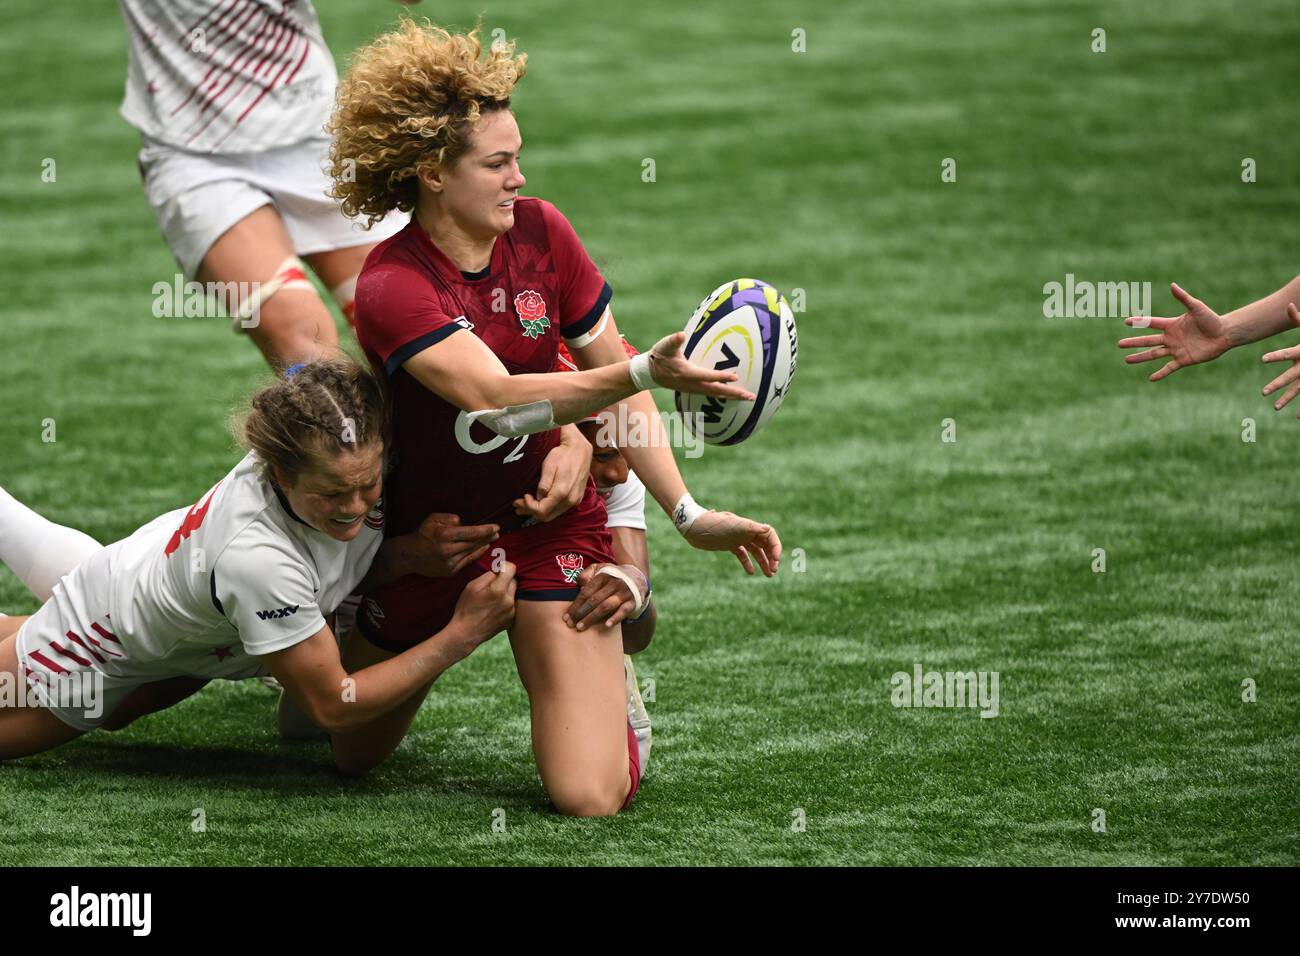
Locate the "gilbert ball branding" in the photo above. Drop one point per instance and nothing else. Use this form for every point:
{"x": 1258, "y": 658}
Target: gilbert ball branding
{"x": 102, "y": 909}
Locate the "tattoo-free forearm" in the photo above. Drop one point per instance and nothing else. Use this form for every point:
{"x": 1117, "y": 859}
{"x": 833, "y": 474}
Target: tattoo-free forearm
{"x": 653, "y": 461}
{"x": 637, "y": 635}
{"x": 1262, "y": 318}
{"x": 381, "y": 687}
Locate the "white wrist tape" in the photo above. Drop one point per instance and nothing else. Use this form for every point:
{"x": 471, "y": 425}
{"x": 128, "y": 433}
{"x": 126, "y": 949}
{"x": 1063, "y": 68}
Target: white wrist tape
{"x": 685, "y": 512}
{"x": 515, "y": 420}
{"x": 614, "y": 571}
{"x": 640, "y": 372}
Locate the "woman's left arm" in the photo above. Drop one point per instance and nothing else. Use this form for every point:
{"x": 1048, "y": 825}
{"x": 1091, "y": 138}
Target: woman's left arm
{"x": 655, "y": 465}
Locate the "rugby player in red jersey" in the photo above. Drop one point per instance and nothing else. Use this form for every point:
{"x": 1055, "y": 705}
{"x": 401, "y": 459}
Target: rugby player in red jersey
{"x": 464, "y": 312}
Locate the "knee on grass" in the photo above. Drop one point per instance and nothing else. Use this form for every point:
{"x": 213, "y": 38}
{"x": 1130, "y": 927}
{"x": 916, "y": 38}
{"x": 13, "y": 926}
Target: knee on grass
{"x": 356, "y": 763}
{"x": 590, "y": 798}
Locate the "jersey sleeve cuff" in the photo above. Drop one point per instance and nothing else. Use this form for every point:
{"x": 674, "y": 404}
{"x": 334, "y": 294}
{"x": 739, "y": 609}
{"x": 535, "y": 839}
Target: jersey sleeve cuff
{"x": 284, "y": 641}
{"x": 583, "y": 331}
{"x": 397, "y": 358}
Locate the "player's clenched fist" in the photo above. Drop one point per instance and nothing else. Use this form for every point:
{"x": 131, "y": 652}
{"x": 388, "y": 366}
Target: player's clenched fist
{"x": 486, "y": 608}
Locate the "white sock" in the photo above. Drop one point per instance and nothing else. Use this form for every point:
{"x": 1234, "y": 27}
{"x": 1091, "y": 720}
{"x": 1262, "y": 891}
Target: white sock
{"x": 37, "y": 550}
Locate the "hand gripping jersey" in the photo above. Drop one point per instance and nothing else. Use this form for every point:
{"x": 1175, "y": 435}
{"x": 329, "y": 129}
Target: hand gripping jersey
{"x": 202, "y": 590}
{"x": 539, "y": 287}
{"x": 228, "y": 76}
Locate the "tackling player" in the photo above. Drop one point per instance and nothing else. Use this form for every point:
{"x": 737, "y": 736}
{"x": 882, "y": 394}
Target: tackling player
{"x": 464, "y": 311}
{"x": 235, "y": 586}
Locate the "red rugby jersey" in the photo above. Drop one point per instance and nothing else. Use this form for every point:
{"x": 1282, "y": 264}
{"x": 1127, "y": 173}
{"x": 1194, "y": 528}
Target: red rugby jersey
{"x": 410, "y": 296}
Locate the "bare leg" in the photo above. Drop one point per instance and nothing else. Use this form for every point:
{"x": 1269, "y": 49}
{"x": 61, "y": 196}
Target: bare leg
{"x": 294, "y": 324}
{"x": 10, "y": 625}
{"x": 338, "y": 269}
{"x": 578, "y": 698}
{"x": 151, "y": 698}
{"x": 25, "y": 730}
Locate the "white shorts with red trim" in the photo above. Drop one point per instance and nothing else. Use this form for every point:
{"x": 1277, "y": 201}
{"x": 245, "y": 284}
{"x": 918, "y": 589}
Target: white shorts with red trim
{"x": 77, "y": 667}
{"x": 196, "y": 197}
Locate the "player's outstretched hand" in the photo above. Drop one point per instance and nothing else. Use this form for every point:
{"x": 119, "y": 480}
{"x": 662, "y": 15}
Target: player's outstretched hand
{"x": 724, "y": 531}
{"x": 442, "y": 546}
{"x": 486, "y": 608}
{"x": 605, "y": 598}
{"x": 670, "y": 367}
{"x": 1291, "y": 376}
{"x": 563, "y": 481}
{"x": 1194, "y": 337}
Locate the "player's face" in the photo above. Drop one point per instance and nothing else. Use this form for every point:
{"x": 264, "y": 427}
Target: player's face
{"x": 335, "y": 497}
{"x": 479, "y": 190}
{"x": 608, "y": 466}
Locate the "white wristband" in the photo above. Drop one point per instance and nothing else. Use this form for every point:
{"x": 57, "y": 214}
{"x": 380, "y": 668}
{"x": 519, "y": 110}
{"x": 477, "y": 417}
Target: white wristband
{"x": 640, "y": 372}
{"x": 614, "y": 571}
{"x": 685, "y": 512}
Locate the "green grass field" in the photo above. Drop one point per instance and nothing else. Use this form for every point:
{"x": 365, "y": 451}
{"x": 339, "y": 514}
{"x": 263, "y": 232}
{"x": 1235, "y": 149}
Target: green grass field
{"x": 821, "y": 171}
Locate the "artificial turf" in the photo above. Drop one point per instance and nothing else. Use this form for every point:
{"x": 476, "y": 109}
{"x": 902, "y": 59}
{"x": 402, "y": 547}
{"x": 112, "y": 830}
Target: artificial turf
{"x": 1120, "y": 690}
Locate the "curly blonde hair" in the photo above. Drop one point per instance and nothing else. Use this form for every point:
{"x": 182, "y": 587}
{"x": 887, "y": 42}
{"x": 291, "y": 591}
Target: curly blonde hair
{"x": 408, "y": 103}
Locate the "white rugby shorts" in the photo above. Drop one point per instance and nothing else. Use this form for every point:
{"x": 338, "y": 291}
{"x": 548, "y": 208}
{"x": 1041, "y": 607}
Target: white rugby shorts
{"x": 68, "y": 650}
{"x": 196, "y": 197}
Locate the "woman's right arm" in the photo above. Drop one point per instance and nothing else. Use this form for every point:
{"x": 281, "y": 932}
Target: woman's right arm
{"x": 1262, "y": 318}
{"x": 336, "y": 701}
{"x": 1201, "y": 335}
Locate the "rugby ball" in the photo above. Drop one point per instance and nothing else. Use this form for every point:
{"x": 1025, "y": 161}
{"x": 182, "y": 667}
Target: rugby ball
{"x": 746, "y": 327}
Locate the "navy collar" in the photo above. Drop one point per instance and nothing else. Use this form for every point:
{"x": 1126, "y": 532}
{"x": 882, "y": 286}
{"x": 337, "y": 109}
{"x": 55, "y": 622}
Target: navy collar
{"x": 284, "y": 503}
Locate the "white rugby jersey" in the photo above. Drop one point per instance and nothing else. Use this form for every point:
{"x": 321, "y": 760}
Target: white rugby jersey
{"x": 626, "y": 503}
{"x": 203, "y": 589}
{"x": 227, "y": 76}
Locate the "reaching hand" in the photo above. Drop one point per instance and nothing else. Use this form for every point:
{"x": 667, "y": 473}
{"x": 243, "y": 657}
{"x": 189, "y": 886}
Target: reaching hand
{"x": 1292, "y": 375}
{"x": 724, "y": 531}
{"x": 1194, "y": 337}
{"x": 672, "y": 369}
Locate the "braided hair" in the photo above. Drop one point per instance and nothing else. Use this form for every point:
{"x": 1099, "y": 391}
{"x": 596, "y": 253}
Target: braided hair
{"x": 322, "y": 409}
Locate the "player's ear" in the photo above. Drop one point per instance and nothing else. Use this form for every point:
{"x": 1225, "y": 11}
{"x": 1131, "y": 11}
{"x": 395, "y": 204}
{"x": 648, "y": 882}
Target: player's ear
{"x": 430, "y": 177}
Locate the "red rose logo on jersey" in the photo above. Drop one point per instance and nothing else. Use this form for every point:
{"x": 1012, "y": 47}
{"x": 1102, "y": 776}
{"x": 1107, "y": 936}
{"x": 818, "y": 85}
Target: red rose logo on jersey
{"x": 570, "y": 565}
{"x": 532, "y": 313}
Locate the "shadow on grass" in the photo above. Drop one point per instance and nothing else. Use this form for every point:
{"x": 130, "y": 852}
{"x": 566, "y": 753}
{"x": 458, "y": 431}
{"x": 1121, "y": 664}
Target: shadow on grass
{"x": 298, "y": 769}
